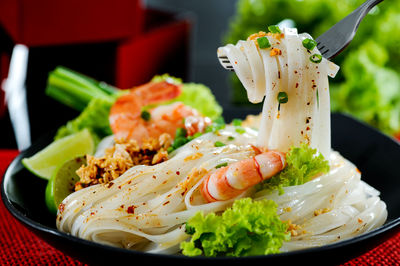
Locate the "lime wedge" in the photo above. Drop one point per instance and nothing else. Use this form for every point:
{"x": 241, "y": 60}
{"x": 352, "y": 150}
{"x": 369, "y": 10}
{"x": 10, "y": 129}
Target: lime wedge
{"x": 62, "y": 183}
{"x": 46, "y": 161}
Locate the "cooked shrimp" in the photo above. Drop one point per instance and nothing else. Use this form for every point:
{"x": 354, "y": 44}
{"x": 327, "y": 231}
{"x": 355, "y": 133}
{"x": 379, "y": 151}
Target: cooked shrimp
{"x": 125, "y": 115}
{"x": 167, "y": 118}
{"x": 230, "y": 181}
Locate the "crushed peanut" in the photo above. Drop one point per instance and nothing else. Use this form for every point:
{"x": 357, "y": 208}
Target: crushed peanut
{"x": 275, "y": 51}
{"x": 119, "y": 158}
{"x": 321, "y": 211}
{"x": 295, "y": 229}
{"x": 287, "y": 209}
{"x": 252, "y": 121}
{"x": 193, "y": 156}
{"x": 254, "y": 36}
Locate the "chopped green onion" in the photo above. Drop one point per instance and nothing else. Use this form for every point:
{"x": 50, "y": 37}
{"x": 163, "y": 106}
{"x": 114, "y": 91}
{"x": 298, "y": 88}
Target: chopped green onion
{"x": 263, "y": 42}
{"x": 221, "y": 165}
{"x": 219, "y": 144}
{"x": 145, "y": 115}
{"x": 240, "y": 130}
{"x": 219, "y": 120}
{"x": 198, "y": 134}
{"x": 309, "y": 43}
{"x": 237, "y": 122}
{"x": 178, "y": 142}
{"x": 274, "y": 29}
{"x": 180, "y": 132}
{"x": 231, "y": 138}
{"x": 282, "y": 97}
{"x": 316, "y": 58}
{"x": 218, "y": 124}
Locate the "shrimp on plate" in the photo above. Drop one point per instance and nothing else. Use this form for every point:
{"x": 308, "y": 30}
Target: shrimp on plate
{"x": 126, "y": 119}
{"x": 230, "y": 181}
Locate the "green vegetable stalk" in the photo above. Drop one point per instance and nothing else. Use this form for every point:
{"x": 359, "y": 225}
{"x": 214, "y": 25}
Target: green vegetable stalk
{"x": 248, "y": 228}
{"x": 76, "y": 90}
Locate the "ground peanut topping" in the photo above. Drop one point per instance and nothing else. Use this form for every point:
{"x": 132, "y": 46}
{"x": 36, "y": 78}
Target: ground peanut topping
{"x": 119, "y": 158}
{"x": 321, "y": 211}
{"x": 252, "y": 121}
{"x": 294, "y": 229}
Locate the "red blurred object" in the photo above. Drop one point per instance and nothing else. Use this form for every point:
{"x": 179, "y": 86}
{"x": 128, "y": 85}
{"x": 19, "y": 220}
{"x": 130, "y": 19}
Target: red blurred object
{"x": 49, "y": 22}
{"x": 158, "y": 50}
{"x": 397, "y": 136}
{"x": 4, "y": 63}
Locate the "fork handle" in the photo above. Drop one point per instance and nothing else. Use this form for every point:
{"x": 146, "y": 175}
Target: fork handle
{"x": 369, "y": 4}
{"x": 365, "y": 8}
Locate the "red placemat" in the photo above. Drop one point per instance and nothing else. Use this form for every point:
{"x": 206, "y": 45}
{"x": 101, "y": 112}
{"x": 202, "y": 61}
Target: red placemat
{"x": 19, "y": 246}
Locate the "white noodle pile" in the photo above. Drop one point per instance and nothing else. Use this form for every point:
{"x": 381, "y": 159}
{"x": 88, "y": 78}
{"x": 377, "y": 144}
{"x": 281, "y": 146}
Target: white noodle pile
{"x": 96, "y": 213}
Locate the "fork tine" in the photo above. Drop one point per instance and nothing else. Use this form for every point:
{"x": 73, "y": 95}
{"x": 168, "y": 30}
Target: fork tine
{"x": 333, "y": 41}
{"x": 325, "y": 52}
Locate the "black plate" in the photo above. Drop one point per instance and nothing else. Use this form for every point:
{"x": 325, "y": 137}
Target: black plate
{"x": 376, "y": 155}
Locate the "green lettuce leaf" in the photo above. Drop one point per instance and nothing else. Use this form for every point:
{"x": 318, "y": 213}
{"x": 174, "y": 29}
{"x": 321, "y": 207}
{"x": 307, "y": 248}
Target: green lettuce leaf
{"x": 94, "y": 117}
{"x": 303, "y": 163}
{"x": 371, "y": 91}
{"x": 248, "y": 228}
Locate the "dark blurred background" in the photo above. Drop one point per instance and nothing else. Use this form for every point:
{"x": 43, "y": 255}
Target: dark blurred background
{"x": 127, "y": 42}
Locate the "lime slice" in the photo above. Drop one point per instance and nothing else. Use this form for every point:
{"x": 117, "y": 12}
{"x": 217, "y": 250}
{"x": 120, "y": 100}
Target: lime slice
{"x": 47, "y": 160}
{"x": 62, "y": 183}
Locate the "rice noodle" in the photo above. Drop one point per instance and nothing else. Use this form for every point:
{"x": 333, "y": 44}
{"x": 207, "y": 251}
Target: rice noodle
{"x": 146, "y": 208}
{"x": 305, "y": 118}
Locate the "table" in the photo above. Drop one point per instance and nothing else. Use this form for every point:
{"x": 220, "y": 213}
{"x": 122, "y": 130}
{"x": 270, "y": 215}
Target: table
{"x": 20, "y": 246}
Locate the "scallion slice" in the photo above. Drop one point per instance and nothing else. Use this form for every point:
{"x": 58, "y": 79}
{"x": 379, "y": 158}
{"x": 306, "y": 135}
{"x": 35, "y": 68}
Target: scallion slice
{"x": 274, "y": 29}
{"x": 221, "y": 165}
{"x": 316, "y": 58}
{"x": 263, "y": 42}
{"x": 237, "y": 122}
{"x": 145, "y": 115}
{"x": 282, "y": 97}
{"x": 309, "y": 43}
{"x": 219, "y": 144}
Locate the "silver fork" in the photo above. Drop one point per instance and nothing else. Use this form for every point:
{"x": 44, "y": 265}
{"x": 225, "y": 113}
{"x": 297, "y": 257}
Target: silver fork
{"x": 333, "y": 41}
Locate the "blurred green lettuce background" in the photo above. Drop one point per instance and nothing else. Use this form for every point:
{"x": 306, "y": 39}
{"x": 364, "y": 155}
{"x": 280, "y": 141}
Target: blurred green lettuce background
{"x": 368, "y": 84}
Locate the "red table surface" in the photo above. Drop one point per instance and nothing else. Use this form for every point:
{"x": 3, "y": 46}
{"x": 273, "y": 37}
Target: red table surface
{"x": 20, "y": 246}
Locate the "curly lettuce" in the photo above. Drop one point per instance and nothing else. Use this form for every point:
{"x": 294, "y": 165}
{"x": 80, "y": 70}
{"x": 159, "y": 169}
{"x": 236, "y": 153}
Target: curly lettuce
{"x": 303, "y": 163}
{"x": 371, "y": 91}
{"x": 94, "y": 117}
{"x": 248, "y": 228}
